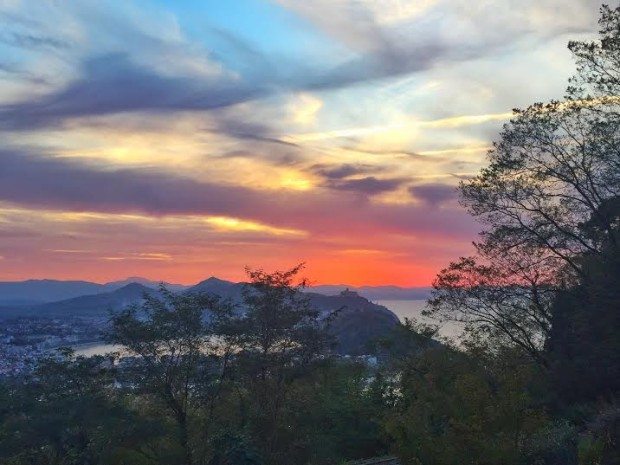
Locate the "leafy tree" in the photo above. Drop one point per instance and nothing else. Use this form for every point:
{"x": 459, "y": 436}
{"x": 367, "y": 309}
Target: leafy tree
{"x": 457, "y": 407}
{"x": 334, "y": 414}
{"x": 549, "y": 183}
{"x": 598, "y": 70}
{"x": 68, "y": 413}
{"x": 584, "y": 344}
{"x": 505, "y": 297}
{"x": 178, "y": 362}
{"x": 277, "y": 336}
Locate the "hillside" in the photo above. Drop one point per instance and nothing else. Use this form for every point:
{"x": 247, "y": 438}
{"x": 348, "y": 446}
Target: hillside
{"x": 36, "y": 291}
{"x": 357, "y": 323}
{"x": 39, "y": 291}
{"x": 88, "y": 305}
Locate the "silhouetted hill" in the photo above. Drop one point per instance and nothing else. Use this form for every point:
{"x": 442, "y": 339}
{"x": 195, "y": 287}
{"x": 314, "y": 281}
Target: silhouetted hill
{"x": 88, "y": 305}
{"x": 357, "y": 323}
{"x": 219, "y": 287}
{"x": 98, "y": 304}
{"x": 35, "y": 291}
{"x": 40, "y": 291}
{"x": 112, "y": 286}
{"x": 377, "y": 292}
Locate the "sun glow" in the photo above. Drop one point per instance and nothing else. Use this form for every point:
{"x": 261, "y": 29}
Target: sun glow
{"x": 224, "y": 223}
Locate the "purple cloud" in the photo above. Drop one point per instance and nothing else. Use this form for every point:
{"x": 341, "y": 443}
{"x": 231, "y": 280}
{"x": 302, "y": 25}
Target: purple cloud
{"x": 433, "y": 194}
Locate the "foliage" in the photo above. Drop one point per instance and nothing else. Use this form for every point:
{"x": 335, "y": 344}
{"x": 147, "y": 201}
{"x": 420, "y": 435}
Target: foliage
{"x": 455, "y": 403}
{"x": 276, "y": 337}
{"x": 69, "y": 413}
{"x": 546, "y": 201}
{"x": 170, "y": 336}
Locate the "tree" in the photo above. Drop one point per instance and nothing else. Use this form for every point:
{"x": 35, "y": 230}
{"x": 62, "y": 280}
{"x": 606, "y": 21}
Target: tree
{"x": 335, "y": 414}
{"x": 584, "y": 344}
{"x": 598, "y": 62}
{"x": 277, "y": 335}
{"x": 178, "y": 361}
{"x": 464, "y": 407}
{"x": 550, "y": 178}
{"x": 68, "y": 413}
{"x": 505, "y": 297}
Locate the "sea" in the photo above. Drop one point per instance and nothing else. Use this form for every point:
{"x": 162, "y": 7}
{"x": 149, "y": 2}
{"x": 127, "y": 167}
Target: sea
{"x": 411, "y": 309}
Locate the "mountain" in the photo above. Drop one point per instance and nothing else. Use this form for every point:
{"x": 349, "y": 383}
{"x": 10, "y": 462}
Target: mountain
{"x": 96, "y": 305}
{"x": 377, "y": 292}
{"x": 357, "y": 323}
{"x": 36, "y": 291}
{"x": 40, "y": 291}
{"x": 112, "y": 286}
{"x": 219, "y": 287}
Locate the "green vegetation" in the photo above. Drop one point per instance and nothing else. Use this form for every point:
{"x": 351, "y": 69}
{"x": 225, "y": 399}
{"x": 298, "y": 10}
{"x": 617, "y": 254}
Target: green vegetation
{"x": 534, "y": 380}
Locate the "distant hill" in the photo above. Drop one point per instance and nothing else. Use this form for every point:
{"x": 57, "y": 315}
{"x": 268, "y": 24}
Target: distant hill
{"x": 357, "y": 323}
{"x": 39, "y": 291}
{"x": 112, "y": 286}
{"x": 97, "y": 304}
{"x": 377, "y": 292}
{"x": 88, "y": 305}
{"x": 36, "y": 291}
{"x": 219, "y": 287}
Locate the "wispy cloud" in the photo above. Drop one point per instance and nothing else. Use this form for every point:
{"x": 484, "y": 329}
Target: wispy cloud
{"x": 149, "y": 256}
{"x": 168, "y": 138}
{"x": 449, "y": 122}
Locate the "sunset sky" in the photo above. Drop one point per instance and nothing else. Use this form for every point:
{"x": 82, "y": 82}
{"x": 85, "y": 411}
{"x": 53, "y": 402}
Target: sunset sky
{"x": 181, "y": 139}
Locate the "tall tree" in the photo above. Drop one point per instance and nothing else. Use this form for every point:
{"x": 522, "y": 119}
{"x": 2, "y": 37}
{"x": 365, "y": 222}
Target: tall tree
{"x": 553, "y": 172}
{"x": 584, "y": 344}
{"x": 177, "y": 358}
{"x": 277, "y": 335}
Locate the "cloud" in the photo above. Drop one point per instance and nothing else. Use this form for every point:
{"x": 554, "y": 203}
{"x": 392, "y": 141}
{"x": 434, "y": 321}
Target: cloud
{"x": 239, "y": 126}
{"x": 367, "y": 186}
{"x": 148, "y": 256}
{"x": 54, "y": 182}
{"x": 138, "y": 68}
{"x": 44, "y": 182}
{"x": 304, "y": 109}
{"x": 434, "y": 194}
{"x": 389, "y": 40}
{"x": 337, "y": 172}
{"x": 31, "y": 41}
{"x": 115, "y": 84}
{"x": 346, "y": 177}
{"x": 405, "y": 124}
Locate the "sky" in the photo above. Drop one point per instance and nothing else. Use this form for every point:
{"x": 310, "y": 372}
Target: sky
{"x": 177, "y": 140}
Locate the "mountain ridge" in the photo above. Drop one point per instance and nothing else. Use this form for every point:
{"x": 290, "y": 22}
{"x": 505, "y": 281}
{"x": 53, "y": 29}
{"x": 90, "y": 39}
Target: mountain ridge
{"x": 357, "y": 321}
{"x": 39, "y": 291}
